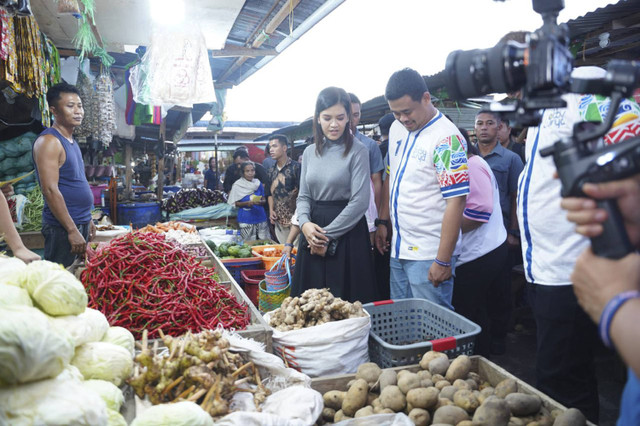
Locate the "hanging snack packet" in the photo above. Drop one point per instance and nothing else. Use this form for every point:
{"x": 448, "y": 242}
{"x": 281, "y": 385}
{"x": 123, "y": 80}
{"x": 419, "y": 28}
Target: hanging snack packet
{"x": 69, "y": 7}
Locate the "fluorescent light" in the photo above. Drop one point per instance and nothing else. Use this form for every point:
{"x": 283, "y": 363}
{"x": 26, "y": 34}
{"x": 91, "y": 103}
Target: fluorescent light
{"x": 130, "y": 48}
{"x": 167, "y": 12}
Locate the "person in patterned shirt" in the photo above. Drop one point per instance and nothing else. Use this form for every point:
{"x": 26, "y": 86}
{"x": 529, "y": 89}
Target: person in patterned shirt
{"x": 424, "y": 195}
{"x": 283, "y": 184}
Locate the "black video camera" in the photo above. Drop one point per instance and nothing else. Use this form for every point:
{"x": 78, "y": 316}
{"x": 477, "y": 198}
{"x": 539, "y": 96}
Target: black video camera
{"x": 541, "y": 70}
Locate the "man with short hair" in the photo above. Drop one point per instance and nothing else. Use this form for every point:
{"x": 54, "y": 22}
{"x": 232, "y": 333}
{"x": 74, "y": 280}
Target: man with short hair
{"x": 424, "y": 195}
{"x": 505, "y": 164}
{"x": 385, "y": 123}
{"x": 376, "y": 165}
{"x": 282, "y": 187}
{"x": 506, "y": 139}
{"x": 234, "y": 171}
{"x": 506, "y": 167}
{"x": 68, "y": 200}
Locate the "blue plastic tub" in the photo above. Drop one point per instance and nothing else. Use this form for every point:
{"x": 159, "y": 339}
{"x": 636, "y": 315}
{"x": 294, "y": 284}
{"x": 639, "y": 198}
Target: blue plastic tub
{"x": 139, "y": 215}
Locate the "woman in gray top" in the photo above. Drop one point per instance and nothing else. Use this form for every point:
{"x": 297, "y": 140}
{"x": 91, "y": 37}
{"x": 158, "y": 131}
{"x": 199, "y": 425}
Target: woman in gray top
{"x": 334, "y": 251}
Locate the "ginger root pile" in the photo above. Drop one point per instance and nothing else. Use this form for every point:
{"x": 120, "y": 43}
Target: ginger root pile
{"x": 313, "y": 307}
{"x": 198, "y": 368}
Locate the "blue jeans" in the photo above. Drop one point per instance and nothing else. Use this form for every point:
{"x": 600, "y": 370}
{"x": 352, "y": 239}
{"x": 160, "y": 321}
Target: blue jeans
{"x": 56, "y": 243}
{"x": 409, "y": 279}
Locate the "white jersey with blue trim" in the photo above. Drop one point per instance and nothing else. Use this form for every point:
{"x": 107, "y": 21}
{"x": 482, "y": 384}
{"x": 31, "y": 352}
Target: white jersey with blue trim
{"x": 550, "y": 245}
{"x": 418, "y": 188}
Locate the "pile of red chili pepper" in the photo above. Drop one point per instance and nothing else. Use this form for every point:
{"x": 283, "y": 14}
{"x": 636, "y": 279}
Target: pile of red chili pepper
{"x": 140, "y": 281}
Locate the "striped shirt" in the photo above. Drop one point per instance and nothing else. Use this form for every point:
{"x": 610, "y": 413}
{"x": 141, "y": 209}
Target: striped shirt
{"x": 426, "y": 167}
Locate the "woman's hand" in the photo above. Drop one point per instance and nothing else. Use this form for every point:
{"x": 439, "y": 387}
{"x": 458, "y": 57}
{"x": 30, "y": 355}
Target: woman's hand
{"x": 25, "y": 255}
{"x": 315, "y": 236}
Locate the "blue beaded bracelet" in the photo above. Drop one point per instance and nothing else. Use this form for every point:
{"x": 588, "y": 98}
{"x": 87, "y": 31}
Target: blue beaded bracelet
{"x": 610, "y": 310}
{"x": 288, "y": 245}
{"x": 441, "y": 263}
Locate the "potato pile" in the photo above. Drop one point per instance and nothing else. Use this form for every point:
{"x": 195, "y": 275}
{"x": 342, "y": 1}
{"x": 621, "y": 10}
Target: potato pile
{"x": 443, "y": 393}
{"x": 313, "y": 307}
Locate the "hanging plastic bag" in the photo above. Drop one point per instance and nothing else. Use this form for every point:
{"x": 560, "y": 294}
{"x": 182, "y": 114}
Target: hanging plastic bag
{"x": 175, "y": 69}
{"x": 69, "y": 7}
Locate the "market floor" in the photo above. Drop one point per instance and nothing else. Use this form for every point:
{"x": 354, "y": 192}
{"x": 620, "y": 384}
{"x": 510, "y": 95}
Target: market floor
{"x": 519, "y": 360}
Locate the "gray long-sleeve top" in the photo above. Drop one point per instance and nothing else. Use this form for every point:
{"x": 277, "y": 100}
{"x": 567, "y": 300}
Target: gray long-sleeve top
{"x": 333, "y": 177}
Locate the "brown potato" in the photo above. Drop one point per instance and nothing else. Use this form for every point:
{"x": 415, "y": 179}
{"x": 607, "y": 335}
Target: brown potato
{"x": 522, "y": 404}
{"x": 473, "y": 385}
{"x": 462, "y": 384}
{"x": 428, "y": 357}
{"x": 458, "y": 369}
{"x": 333, "y": 399}
{"x": 571, "y": 417}
{"x": 515, "y": 421}
{"x": 506, "y": 387}
{"x": 408, "y": 381}
{"x": 370, "y": 372}
{"x": 420, "y": 417}
{"x": 475, "y": 377}
{"x": 393, "y": 398}
{"x": 439, "y": 365}
{"x": 450, "y": 414}
{"x": 340, "y": 416}
{"x": 371, "y": 397}
{"x": 485, "y": 393}
{"x": 364, "y": 412}
{"x": 328, "y": 414}
{"x": 493, "y": 412}
{"x": 387, "y": 377}
{"x": 448, "y": 391}
{"x": 465, "y": 423}
{"x": 442, "y": 384}
{"x": 442, "y": 402}
{"x": 355, "y": 398}
{"x": 425, "y": 398}
{"x": 466, "y": 400}
{"x": 424, "y": 374}
{"x": 436, "y": 378}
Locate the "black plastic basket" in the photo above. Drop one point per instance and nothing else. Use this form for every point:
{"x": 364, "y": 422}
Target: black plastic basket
{"x": 403, "y": 330}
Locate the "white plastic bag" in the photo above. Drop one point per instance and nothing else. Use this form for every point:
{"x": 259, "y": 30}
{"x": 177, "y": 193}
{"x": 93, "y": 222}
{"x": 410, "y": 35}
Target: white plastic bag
{"x": 337, "y": 347}
{"x": 175, "y": 69}
{"x": 397, "y": 419}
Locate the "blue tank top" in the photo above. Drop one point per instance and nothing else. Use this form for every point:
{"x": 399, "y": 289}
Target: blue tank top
{"x": 72, "y": 184}
{"x": 630, "y": 403}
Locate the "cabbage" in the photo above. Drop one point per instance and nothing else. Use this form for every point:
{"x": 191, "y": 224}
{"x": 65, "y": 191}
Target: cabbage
{"x": 70, "y": 372}
{"x": 11, "y": 295}
{"x": 89, "y": 326}
{"x": 12, "y": 271}
{"x": 110, "y": 393}
{"x": 185, "y": 413}
{"x": 120, "y": 336}
{"x": 115, "y": 419}
{"x": 31, "y": 348}
{"x": 54, "y": 289}
{"x": 51, "y": 402}
{"x": 103, "y": 361}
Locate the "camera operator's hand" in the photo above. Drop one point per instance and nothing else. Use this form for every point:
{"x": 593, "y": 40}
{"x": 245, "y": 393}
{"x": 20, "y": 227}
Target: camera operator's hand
{"x": 597, "y": 279}
{"x": 588, "y": 218}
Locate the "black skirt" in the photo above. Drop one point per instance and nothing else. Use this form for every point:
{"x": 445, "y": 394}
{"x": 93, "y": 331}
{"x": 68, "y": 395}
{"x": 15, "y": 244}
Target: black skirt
{"x": 349, "y": 273}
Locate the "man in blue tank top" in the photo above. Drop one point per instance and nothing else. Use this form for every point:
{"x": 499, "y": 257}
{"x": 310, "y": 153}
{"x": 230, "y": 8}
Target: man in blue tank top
{"x": 66, "y": 218}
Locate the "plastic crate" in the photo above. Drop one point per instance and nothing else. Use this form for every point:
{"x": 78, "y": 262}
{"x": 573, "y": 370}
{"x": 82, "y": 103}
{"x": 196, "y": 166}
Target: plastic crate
{"x": 403, "y": 330}
{"x": 236, "y": 266}
{"x": 269, "y": 261}
{"x": 251, "y": 280}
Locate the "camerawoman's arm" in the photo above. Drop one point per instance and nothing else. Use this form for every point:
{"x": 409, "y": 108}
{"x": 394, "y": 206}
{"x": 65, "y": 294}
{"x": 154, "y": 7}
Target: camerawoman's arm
{"x": 49, "y": 155}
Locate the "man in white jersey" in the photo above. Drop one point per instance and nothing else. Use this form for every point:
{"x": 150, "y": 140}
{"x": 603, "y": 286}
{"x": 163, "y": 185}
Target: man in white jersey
{"x": 424, "y": 196}
{"x": 550, "y": 246}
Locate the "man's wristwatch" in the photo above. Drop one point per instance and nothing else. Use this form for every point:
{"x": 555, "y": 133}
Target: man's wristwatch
{"x": 379, "y": 222}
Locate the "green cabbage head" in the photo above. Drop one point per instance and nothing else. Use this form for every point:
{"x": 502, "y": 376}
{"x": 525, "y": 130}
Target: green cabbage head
{"x": 31, "y": 348}
{"x": 13, "y": 271}
{"x": 89, "y": 326}
{"x": 120, "y": 336}
{"x": 110, "y": 393}
{"x": 103, "y": 361}
{"x": 11, "y": 295}
{"x": 54, "y": 289}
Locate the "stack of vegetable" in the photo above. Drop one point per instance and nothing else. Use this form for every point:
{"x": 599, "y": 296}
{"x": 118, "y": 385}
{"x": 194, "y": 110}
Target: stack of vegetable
{"x": 230, "y": 250}
{"x": 140, "y": 281}
{"x": 190, "y": 198}
{"x": 60, "y": 362}
{"x": 105, "y": 110}
{"x": 33, "y": 210}
{"x": 160, "y": 228}
{"x": 441, "y": 392}
{"x": 198, "y": 368}
{"x": 16, "y": 161}
{"x": 313, "y": 307}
